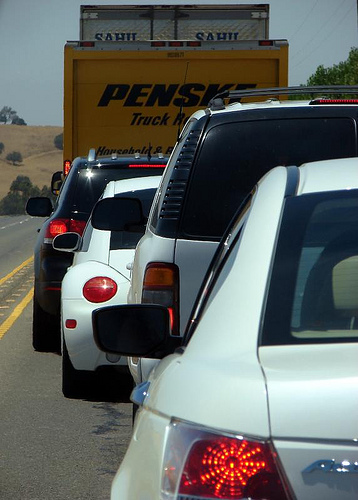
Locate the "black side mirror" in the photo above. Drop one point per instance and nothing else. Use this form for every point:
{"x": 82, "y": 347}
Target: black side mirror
{"x": 67, "y": 242}
{"x": 56, "y": 182}
{"x": 118, "y": 214}
{"x": 134, "y": 330}
{"x": 39, "y": 206}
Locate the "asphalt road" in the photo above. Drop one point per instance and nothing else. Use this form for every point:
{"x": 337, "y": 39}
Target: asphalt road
{"x": 52, "y": 448}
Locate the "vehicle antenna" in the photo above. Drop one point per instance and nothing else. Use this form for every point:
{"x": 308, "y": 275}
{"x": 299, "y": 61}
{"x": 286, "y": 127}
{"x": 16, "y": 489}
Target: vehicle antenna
{"x": 149, "y": 151}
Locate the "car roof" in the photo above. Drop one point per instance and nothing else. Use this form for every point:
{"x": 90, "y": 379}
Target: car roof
{"x": 134, "y": 184}
{"x": 322, "y": 176}
{"x": 328, "y": 175}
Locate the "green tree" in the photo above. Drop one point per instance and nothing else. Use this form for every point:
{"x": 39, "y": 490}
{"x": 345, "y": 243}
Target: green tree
{"x": 15, "y": 157}
{"x": 18, "y": 121}
{"x": 7, "y": 114}
{"x": 20, "y": 190}
{"x": 12, "y": 204}
{"x": 343, "y": 73}
{"x": 2, "y": 147}
{"x": 58, "y": 141}
{"x": 46, "y": 191}
{"x": 23, "y": 186}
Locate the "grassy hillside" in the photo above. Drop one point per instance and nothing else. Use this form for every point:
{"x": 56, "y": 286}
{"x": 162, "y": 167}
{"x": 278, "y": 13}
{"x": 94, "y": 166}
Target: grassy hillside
{"x": 40, "y": 156}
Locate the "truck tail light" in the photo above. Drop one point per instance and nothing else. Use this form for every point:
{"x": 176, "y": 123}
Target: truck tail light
{"x": 266, "y": 43}
{"x": 99, "y": 289}
{"x": 66, "y": 167}
{"x": 202, "y": 464}
{"x": 161, "y": 286}
{"x": 60, "y": 226}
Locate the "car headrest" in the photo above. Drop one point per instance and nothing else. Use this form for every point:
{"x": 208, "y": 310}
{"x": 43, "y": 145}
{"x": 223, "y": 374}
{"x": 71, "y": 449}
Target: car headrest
{"x": 345, "y": 285}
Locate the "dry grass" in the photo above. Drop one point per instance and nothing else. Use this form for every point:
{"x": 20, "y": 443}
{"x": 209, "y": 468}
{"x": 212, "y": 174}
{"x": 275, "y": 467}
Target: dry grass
{"x": 40, "y": 156}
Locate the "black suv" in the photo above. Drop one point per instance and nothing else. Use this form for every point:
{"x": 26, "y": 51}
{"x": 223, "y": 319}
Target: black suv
{"x": 78, "y": 193}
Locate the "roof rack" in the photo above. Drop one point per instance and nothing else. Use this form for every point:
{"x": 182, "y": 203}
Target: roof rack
{"x": 91, "y": 155}
{"x": 217, "y": 102}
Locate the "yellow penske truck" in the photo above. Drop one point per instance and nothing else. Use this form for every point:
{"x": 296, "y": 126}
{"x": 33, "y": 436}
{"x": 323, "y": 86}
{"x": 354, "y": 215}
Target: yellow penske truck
{"x": 124, "y": 94}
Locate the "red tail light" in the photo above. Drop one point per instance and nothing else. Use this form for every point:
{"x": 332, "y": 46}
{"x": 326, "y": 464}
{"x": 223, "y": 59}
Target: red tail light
{"x": 60, "y": 226}
{"x": 57, "y": 226}
{"x": 265, "y": 43}
{"x": 161, "y": 286}
{"x": 158, "y": 43}
{"x": 77, "y": 226}
{"x": 99, "y": 289}
{"x": 203, "y": 464}
{"x": 87, "y": 44}
{"x": 66, "y": 167}
{"x": 230, "y": 468}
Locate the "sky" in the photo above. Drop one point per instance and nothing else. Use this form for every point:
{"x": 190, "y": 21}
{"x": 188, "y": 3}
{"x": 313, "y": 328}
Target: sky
{"x": 33, "y": 34}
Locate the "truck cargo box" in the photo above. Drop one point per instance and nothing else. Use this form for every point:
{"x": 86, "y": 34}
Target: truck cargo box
{"x": 127, "y": 97}
{"x": 174, "y": 22}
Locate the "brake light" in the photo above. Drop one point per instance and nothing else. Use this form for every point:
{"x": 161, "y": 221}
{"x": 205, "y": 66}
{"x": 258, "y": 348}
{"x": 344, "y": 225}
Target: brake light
{"x": 161, "y": 286}
{"x": 146, "y": 165}
{"x": 99, "y": 289}
{"x": 55, "y": 227}
{"x": 333, "y": 101}
{"x": 60, "y": 226}
{"x": 223, "y": 467}
{"x": 66, "y": 167}
{"x": 157, "y": 43}
{"x": 265, "y": 43}
{"x": 204, "y": 465}
{"x": 77, "y": 226}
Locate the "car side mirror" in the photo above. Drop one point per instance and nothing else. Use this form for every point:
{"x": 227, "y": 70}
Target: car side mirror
{"x": 118, "y": 214}
{"x": 56, "y": 182}
{"x": 67, "y": 242}
{"x": 138, "y": 330}
{"x": 39, "y": 206}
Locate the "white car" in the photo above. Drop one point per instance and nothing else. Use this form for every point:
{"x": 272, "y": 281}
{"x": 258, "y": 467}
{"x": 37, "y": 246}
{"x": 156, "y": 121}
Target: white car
{"x": 99, "y": 275}
{"x": 261, "y": 400}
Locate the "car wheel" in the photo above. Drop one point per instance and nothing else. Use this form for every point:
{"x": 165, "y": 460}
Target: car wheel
{"x": 46, "y": 336}
{"x": 76, "y": 384}
{"x": 134, "y": 412}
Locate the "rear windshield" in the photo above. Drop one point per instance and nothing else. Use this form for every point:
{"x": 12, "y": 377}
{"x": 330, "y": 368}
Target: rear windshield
{"x": 91, "y": 183}
{"x": 235, "y": 155}
{"x": 313, "y": 293}
{"x": 124, "y": 239}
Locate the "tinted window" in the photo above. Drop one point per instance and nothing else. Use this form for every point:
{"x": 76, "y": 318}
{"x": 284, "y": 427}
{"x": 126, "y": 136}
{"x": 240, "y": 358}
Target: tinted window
{"x": 91, "y": 183}
{"x": 234, "y": 156}
{"x": 313, "y": 294}
{"x": 125, "y": 239}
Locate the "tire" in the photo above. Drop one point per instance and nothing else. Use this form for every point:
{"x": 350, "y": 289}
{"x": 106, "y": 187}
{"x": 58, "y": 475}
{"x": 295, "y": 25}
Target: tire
{"x": 134, "y": 412}
{"x": 76, "y": 384}
{"x": 46, "y": 335}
